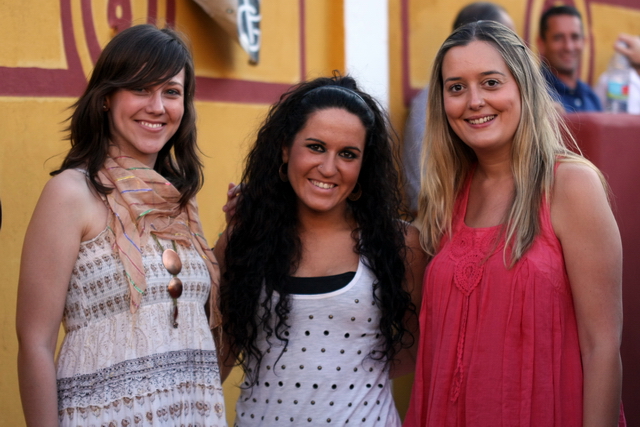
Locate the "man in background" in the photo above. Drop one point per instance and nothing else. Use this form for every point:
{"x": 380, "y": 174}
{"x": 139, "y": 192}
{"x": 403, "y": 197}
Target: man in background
{"x": 561, "y": 42}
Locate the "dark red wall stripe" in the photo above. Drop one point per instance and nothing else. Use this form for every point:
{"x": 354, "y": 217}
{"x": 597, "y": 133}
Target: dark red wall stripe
{"x": 41, "y": 82}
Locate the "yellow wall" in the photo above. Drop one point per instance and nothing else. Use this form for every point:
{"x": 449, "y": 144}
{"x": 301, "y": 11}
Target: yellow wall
{"x": 607, "y": 21}
{"x": 30, "y": 136}
{"x": 32, "y": 139}
{"x": 430, "y": 22}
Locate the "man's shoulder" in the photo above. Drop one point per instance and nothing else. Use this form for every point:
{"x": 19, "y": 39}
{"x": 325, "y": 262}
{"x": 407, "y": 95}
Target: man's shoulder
{"x": 548, "y": 74}
{"x": 585, "y": 86}
{"x": 592, "y": 102}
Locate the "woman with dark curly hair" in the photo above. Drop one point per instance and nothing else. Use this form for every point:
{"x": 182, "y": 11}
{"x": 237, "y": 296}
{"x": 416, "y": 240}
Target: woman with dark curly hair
{"x": 318, "y": 268}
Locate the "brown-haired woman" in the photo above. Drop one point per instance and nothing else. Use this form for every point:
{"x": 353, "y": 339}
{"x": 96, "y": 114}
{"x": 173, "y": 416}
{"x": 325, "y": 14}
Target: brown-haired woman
{"x": 115, "y": 251}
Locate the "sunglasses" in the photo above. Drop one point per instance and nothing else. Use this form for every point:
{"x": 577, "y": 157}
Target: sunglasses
{"x": 173, "y": 264}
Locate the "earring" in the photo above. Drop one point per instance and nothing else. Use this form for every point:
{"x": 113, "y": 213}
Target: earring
{"x": 282, "y": 172}
{"x": 355, "y": 194}
{"x": 105, "y": 108}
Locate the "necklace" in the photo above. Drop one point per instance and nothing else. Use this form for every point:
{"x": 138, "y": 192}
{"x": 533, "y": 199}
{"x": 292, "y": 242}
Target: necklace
{"x": 173, "y": 264}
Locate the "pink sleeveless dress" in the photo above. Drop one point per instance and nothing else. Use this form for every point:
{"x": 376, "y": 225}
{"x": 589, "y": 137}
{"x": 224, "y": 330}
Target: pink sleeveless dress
{"x": 498, "y": 346}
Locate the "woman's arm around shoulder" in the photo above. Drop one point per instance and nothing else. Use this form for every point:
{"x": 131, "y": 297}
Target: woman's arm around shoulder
{"x": 66, "y": 213}
{"x": 415, "y": 263}
{"x": 229, "y": 209}
{"x": 584, "y": 223}
{"x": 226, "y": 358}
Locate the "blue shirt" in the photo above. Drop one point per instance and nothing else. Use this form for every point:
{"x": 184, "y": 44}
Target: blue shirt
{"x": 582, "y": 98}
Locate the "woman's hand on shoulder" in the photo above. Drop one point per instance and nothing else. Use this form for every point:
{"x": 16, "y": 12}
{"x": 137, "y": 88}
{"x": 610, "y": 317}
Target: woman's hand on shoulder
{"x": 584, "y": 223}
{"x": 233, "y": 196}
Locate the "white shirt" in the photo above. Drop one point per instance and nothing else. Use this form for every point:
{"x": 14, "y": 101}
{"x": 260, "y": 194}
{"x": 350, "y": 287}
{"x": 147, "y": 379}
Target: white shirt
{"x": 325, "y": 376}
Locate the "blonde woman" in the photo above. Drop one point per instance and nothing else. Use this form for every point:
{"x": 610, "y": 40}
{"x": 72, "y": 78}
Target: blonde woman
{"x": 521, "y": 317}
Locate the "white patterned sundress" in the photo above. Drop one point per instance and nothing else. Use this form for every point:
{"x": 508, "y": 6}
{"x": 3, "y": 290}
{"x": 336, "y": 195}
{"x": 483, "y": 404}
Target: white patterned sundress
{"x": 121, "y": 369}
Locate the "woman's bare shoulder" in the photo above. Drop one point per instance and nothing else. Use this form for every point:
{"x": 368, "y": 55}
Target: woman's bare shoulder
{"x": 575, "y": 176}
{"x": 68, "y": 185}
{"x": 579, "y": 198}
{"x": 70, "y": 192}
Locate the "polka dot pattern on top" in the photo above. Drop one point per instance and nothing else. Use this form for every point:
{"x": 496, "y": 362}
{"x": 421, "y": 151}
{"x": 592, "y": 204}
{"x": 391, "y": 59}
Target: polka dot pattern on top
{"x": 325, "y": 377}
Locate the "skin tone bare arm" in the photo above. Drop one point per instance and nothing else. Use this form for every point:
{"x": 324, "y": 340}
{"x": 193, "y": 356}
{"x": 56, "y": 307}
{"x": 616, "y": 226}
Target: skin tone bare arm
{"x": 58, "y": 225}
{"x": 416, "y": 262}
{"x": 584, "y": 223}
{"x": 226, "y": 357}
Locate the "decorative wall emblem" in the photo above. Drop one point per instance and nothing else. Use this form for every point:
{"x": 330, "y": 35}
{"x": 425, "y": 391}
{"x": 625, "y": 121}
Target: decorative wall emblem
{"x": 240, "y": 19}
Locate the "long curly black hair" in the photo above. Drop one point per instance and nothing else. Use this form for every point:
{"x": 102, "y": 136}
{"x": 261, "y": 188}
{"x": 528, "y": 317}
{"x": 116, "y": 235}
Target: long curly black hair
{"x": 264, "y": 246}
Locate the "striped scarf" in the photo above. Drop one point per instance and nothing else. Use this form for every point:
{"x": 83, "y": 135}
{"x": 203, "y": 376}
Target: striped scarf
{"x": 144, "y": 202}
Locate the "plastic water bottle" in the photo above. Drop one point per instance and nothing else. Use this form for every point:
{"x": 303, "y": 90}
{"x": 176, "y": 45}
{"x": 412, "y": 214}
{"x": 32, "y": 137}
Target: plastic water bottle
{"x": 618, "y": 75}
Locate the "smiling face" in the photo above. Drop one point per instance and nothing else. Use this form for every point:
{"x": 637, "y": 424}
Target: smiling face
{"x": 143, "y": 120}
{"x": 563, "y": 43}
{"x": 324, "y": 160}
{"x": 481, "y": 97}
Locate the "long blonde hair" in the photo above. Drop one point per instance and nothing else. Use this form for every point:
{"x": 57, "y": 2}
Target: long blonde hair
{"x": 537, "y": 144}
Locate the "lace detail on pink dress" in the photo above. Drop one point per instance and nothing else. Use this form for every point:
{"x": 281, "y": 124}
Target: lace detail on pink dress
{"x": 469, "y": 249}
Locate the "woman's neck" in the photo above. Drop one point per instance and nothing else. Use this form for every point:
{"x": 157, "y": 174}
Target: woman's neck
{"x": 328, "y": 245}
{"x": 312, "y": 222}
{"x": 494, "y": 167}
